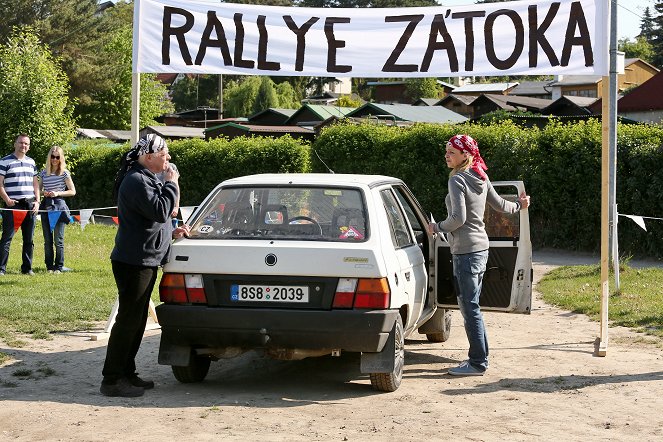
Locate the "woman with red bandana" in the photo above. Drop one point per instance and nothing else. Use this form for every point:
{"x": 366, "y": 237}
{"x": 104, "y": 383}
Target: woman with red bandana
{"x": 469, "y": 192}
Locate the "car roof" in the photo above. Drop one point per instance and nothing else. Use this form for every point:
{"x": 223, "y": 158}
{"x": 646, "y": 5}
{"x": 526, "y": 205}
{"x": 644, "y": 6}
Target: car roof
{"x": 326, "y": 179}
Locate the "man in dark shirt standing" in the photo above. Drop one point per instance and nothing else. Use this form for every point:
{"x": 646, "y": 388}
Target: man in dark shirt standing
{"x": 142, "y": 242}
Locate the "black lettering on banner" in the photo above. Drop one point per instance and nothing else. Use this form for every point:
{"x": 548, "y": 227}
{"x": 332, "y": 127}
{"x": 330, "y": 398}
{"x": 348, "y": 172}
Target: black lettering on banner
{"x": 490, "y": 41}
{"x": 537, "y": 35}
{"x": 301, "y": 38}
{"x": 577, "y": 20}
{"x": 239, "y": 43}
{"x": 169, "y": 31}
{"x": 439, "y": 27}
{"x": 469, "y": 35}
{"x": 390, "y": 65}
{"x": 333, "y": 44}
{"x": 213, "y": 24}
{"x": 262, "y": 48}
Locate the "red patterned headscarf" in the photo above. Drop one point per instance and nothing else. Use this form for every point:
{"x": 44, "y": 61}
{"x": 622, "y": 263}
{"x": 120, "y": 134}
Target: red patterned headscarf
{"x": 466, "y": 143}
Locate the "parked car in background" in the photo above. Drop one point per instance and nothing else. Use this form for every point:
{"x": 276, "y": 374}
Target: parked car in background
{"x": 302, "y": 265}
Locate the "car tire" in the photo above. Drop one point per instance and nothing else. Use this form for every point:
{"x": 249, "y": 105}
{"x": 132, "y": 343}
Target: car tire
{"x": 194, "y": 372}
{"x": 391, "y": 381}
{"x": 445, "y": 317}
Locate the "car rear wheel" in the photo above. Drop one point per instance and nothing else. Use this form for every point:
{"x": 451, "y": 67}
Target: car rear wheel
{"x": 194, "y": 372}
{"x": 391, "y": 381}
{"x": 443, "y": 316}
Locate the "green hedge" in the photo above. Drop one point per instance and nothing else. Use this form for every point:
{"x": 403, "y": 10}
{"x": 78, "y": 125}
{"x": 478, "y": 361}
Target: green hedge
{"x": 560, "y": 165}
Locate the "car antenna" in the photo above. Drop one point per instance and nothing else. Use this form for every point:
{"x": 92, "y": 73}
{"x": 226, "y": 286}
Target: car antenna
{"x": 328, "y": 168}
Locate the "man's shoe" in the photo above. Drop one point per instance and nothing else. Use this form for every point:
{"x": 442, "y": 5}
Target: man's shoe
{"x": 29, "y": 273}
{"x": 465, "y": 369}
{"x": 2, "y": 273}
{"x": 122, "y": 388}
{"x": 138, "y": 382}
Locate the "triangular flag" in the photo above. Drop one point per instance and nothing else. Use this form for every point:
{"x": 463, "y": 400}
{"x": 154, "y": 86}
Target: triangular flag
{"x": 115, "y": 220}
{"x": 638, "y": 220}
{"x": 186, "y": 212}
{"x": 19, "y": 216}
{"x": 77, "y": 218}
{"x": 53, "y": 218}
{"x": 84, "y": 217}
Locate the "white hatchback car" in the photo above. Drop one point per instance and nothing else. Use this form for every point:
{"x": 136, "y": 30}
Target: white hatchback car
{"x": 300, "y": 265}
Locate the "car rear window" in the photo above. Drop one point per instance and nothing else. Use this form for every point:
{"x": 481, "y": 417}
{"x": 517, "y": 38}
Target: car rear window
{"x": 292, "y": 213}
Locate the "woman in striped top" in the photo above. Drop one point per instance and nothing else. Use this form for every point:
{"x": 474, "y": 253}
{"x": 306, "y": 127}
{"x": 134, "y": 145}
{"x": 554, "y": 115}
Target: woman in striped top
{"x": 56, "y": 183}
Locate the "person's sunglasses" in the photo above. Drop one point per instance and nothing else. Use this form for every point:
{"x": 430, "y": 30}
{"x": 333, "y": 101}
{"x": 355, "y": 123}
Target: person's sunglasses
{"x": 55, "y": 157}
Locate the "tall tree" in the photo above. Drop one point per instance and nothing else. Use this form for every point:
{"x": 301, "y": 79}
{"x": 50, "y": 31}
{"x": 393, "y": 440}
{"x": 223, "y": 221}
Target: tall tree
{"x": 640, "y": 48}
{"x": 657, "y": 36}
{"x": 111, "y": 108}
{"x": 647, "y": 25}
{"x": 422, "y": 88}
{"x": 266, "y": 96}
{"x": 33, "y": 94}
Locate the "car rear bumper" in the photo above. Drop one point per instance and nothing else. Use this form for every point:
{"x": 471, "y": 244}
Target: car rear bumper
{"x": 201, "y": 326}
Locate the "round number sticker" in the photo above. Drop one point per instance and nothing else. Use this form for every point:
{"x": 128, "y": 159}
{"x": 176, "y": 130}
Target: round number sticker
{"x": 205, "y": 228}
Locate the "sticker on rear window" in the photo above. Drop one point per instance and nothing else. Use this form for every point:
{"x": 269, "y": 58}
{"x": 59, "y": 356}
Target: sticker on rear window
{"x": 205, "y": 228}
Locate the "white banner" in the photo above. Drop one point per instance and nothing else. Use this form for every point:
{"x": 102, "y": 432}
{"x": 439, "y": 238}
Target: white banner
{"x": 510, "y": 38}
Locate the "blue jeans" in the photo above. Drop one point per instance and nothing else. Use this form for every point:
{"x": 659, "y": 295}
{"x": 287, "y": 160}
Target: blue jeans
{"x": 57, "y": 235}
{"x": 27, "y": 230}
{"x": 468, "y": 277}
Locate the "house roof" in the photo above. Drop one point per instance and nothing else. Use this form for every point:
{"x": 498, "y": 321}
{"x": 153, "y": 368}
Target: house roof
{"x": 532, "y": 88}
{"x": 116, "y": 135}
{"x": 426, "y": 102}
{"x": 465, "y": 99}
{"x": 646, "y": 97}
{"x": 89, "y": 133}
{"x": 175, "y": 131}
{"x": 569, "y": 101}
{"x": 515, "y": 102}
{"x": 322, "y": 112}
{"x": 405, "y": 112}
{"x": 274, "y": 110}
{"x": 484, "y": 88}
{"x": 255, "y": 128}
{"x": 576, "y": 80}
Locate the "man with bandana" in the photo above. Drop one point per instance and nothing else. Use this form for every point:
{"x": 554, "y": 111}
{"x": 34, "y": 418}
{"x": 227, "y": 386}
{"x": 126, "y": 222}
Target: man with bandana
{"x": 469, "y": 192}
{"x": 144, "y": 206}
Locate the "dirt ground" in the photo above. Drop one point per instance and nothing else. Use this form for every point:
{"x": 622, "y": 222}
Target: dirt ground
{"x": 544, "y": 383}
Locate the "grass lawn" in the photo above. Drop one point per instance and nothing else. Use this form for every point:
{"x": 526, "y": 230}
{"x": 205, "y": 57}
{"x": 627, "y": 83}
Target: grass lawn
{"x": 639, "y": 305}
{"x": 44, "y": 303}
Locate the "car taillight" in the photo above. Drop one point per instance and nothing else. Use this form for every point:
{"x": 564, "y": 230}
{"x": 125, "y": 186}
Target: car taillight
{"x": 372, "y": 293}
{"x": 345, "y": 293}
{"x": 182, "y": 289}
{"x": 362, "y": 293}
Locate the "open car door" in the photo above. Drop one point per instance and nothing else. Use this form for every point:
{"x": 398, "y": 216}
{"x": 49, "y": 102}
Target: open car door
{"x": 507, "y": 283}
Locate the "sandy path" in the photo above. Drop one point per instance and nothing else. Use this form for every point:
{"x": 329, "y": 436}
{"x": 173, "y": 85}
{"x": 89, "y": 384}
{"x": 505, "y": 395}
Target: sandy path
{"x": 544, "y": 383}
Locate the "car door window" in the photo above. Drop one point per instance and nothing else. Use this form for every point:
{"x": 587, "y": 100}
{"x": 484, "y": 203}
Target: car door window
{"x": 409, "y": 209}
{"x": 400, "y": 233}
{"x": 502, "y": 226}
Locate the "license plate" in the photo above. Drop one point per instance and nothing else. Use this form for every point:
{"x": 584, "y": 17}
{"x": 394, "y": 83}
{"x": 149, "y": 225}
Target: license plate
{"x": 268, "y": 293}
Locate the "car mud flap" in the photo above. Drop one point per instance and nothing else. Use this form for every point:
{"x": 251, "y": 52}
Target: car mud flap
{"x": 382, "y": 361}
{"x": 178, "y": 355}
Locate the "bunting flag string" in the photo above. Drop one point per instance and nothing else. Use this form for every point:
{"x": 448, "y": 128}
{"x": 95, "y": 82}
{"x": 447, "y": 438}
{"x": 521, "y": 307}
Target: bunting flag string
{"x": 53, "y": 218}
{"x": 19, "y": 216}
{"x": 639, "y": 220}
{"x": 84, "y": 215}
